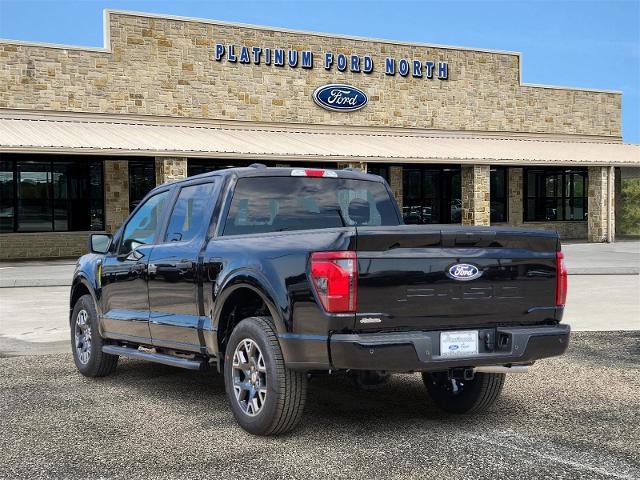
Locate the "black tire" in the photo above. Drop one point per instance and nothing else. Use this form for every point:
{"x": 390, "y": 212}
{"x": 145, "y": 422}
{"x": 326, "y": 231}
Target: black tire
{"x": 97, "y": 363}
{"x": 286, "y": 390}
{"x": 468, "y": 396}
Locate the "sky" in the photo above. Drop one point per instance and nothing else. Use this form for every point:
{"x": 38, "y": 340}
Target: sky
{"x": 578, "y": 43}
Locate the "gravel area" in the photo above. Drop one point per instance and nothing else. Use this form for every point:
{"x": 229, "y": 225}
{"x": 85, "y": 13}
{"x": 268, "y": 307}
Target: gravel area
{"x": 577, "y": 416}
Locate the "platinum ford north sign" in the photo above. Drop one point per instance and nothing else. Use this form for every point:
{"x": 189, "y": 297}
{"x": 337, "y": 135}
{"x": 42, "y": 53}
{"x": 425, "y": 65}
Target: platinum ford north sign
{"x": 305, "y": 59}
{"x": 340, "y": 98}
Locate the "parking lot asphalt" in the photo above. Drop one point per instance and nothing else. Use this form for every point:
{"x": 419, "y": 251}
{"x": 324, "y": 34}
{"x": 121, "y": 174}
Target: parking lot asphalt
{"x": 576, "y": 416}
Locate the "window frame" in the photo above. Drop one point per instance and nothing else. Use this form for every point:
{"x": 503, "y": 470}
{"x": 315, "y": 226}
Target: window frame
{"x": 143, "y": 163}
{"x": 208, "y": 214}
{"x": 504, "y": 198}
{"x": 117, "y": 244}
{"x": 443, "y": 195}
{"x": 51, "y": 163}
{"x": 563, "y": 173}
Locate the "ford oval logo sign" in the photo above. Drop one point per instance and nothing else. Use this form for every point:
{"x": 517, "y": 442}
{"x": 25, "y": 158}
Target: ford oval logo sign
{"x": 340, "y": 98}
{"x": 463, "y": 272}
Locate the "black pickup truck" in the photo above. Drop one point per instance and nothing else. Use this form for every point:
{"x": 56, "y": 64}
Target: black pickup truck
{"x": 272, "y": 275}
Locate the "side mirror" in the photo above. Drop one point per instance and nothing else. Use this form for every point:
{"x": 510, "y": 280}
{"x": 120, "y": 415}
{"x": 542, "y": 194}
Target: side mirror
{"x": 99, "y": 242}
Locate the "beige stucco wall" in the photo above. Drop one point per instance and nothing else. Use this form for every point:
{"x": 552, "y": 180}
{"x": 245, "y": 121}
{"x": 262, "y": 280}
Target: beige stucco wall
{"x": 167, "y": 67}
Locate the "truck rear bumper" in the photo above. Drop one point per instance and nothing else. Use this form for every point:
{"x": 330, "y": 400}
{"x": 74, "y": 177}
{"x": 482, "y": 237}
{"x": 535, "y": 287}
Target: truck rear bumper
{"x": 420, "y": 351}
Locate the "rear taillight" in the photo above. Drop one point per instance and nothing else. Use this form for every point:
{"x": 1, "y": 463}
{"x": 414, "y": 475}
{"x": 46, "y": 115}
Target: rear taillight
{"x": 334, "y": 276}
{"x": 561, "y": 280}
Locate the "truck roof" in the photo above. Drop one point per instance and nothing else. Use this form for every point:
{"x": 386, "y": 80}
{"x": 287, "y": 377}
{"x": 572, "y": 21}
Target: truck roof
{"x": 260, "y": 170}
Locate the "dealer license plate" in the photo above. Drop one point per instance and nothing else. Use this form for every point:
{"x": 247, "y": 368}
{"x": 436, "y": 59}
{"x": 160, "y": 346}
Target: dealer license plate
{"x": 459, "y": 344}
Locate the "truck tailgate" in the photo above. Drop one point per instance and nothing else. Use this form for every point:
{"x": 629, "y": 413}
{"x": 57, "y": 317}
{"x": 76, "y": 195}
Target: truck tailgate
{"x": 409, "y": 277}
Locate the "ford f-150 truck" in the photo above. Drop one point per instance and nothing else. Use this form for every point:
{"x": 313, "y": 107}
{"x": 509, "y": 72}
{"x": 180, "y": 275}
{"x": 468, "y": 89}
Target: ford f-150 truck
{"x": 272, "y": 275}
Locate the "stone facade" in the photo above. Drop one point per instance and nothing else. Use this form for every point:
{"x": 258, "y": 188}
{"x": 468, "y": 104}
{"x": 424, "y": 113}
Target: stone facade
{"x": 167, "y": 67}
{"x": 43, "y": 245}
{"x": 116, "y": 193}
{"x": 475, "y": 194}
{"x": 396, "y": 184}
{"x": 170, "y": 169}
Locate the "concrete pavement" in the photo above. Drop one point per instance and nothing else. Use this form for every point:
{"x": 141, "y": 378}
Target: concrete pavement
{"x": 570, "y": 417}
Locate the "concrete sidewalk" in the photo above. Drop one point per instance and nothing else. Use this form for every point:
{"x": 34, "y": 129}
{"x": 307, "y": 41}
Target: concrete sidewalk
{"x": 621, "y": 258}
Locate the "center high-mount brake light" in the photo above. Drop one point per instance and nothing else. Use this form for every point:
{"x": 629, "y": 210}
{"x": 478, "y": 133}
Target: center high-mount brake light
{"x": 561, "y": 280}
{"x": 313, "y": 172}
{"x": 334, "y": 276}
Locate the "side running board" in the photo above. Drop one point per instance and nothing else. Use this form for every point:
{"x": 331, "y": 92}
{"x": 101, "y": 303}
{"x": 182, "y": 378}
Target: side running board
{"x": 155, "y": 357}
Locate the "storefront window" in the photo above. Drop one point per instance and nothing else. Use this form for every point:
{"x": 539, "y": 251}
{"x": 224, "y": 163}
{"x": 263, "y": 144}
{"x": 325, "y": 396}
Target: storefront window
{"x": 380, "y": 170}
{"x": 45, "y": 194}
{"x": 7, "y": 196}
{"x": 555, "y": 194}
{"x": 142, "y": 179}
{"x": 35, "y": 209}
{"x": 498, "y": 188}
{"x": 431, "y": 195}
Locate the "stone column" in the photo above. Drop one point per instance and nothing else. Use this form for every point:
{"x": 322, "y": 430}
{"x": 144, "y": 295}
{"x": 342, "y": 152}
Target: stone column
{"x": 475, "y": 194}
{"x": 116, "y": 193}
{"x": 618, "y": 201}
{"x": 395, "y": 182}
{"x": 170, "y": 169}
{"x": 600, "y": 204}
{"x": 515, "y": 189}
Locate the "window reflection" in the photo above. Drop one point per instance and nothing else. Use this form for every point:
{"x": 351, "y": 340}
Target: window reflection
{"x": 498, "y": 194}
{"x": 52, "y": 194}
{"x": 432, "y": 195}
{"x": 555, "y": 194}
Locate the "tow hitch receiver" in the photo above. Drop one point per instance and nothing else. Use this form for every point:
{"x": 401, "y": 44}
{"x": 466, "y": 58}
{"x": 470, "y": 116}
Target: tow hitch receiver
{"x": 462, "y": 373}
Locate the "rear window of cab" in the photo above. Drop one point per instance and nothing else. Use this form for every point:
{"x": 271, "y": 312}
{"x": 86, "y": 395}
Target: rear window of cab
{"x": 278, "y": 204}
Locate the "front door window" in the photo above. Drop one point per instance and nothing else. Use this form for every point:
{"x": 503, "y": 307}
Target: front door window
{"x": 143, "y": 226}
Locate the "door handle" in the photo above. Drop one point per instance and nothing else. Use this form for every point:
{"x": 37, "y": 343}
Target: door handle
{"x": 138, "y": 268}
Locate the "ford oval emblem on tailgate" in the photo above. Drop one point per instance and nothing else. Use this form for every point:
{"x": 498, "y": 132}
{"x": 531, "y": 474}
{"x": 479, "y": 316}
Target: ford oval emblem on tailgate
{"x": 340, "y": 98}
{"x": 463, "y": 272}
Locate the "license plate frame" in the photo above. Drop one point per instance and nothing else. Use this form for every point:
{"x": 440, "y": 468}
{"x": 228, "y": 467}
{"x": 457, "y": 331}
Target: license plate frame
{"x": 460, "y": 343}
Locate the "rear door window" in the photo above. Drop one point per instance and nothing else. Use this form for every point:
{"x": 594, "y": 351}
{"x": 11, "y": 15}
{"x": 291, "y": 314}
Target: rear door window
{"x": 277, "y": 204}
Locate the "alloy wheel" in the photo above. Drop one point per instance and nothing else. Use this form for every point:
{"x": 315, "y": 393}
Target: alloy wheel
{"x": 82, "y": 334}
{"x": 249, "y": 377}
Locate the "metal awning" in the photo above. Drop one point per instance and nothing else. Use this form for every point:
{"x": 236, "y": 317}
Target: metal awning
{"x": 169, "y": 137}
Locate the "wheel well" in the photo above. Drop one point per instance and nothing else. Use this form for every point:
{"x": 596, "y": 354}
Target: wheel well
{"x": 78, "y": 291}
{"x": 242, "y": 303}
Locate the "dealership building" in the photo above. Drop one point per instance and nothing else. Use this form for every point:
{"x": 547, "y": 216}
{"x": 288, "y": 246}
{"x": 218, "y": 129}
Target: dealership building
{"x": 85, "y": 133}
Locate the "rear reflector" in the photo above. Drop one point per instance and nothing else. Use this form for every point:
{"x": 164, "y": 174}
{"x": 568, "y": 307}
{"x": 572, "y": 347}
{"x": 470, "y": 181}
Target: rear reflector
{"x": 312, "y": 172}
{"x": 561, "y": 280}
{"x": 334, "y": 275}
